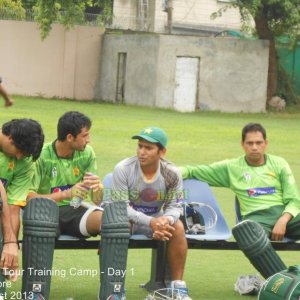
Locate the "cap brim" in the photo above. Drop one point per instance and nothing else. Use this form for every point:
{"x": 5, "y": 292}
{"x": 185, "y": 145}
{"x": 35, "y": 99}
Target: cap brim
{"x": 145, "y": 137}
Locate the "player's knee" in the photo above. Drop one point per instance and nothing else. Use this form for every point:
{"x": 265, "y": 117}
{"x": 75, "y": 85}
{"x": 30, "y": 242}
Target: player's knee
{"x": 179, "y": 229}
{"x": 94, "y": 221}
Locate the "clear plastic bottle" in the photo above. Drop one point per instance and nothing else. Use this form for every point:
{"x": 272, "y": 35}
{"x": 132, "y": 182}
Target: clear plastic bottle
{"x": 75, "y": 202}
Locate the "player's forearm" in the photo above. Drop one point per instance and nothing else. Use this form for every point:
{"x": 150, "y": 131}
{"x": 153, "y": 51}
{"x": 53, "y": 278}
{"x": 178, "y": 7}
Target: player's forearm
{"x": 8, "y": 234}
{"x": 57, "y": 197}
{"x": 138, "y": 217}
{"x": 285, "y": 218}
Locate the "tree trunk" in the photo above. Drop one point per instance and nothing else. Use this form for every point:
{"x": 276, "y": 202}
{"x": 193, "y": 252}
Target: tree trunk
{"x": 264, "y": 32}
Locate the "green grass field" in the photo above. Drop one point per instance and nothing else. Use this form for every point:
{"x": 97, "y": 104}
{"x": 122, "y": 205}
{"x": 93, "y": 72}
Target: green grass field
{"x": 200, "y": 137}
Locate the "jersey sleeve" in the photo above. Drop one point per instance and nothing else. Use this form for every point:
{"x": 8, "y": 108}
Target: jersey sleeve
{"x": 37, "y": 176}
{"x": 18, "y": 189}
{"x": 173, "y": 207}
{"x": 215, "y": 174}
{"x": 290, "y": 191}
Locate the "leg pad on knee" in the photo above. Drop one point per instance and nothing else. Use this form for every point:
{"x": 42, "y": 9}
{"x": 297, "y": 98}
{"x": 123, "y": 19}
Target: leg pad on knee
{"x": 255, "y": 244}
{"x": 40, "y": 224}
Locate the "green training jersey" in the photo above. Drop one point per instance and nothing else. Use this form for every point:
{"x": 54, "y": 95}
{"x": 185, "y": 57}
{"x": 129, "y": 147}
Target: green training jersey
{"x": 54, "y": 174}
{"x": 257, "y": 188}
{"x": 16, "y": 177}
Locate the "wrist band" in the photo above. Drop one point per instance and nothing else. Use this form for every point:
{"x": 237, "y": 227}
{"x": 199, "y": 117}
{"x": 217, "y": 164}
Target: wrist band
{"x": 12, "y": 242}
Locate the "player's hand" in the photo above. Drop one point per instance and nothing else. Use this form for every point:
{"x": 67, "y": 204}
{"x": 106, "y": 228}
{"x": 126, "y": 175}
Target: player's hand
{"x": 91, "y": 181}
{"x": 94, "y": 184}
{"x": 9, "y": 261}
{"x": 162, "y": 230}
{"x": 279, "y": 228}
{"x": 78, "y": 190}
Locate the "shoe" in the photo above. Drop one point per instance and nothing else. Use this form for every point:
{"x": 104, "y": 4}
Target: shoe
{"x": 180, "y": 289}
{"x": 116, "y": 297}
{"x": 119, "y": 296}
{"x": 36, "y": 296}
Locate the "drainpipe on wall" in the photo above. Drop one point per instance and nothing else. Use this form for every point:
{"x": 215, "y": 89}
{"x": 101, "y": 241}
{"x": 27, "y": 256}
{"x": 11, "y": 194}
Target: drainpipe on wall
{"x": 170, "y": 16}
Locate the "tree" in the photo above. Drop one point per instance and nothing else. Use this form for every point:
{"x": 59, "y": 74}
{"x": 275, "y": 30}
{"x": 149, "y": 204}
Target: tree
{"x": 12, "y": 10}
{"x": 272, "y": 18}
{"x": 28, "y": 4}
{"x": 66, "y": 12}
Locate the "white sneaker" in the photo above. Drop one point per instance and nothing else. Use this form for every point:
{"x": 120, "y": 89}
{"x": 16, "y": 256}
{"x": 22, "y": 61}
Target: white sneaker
{"x": 117, "y": 297}
{"x": 180, "y": 289}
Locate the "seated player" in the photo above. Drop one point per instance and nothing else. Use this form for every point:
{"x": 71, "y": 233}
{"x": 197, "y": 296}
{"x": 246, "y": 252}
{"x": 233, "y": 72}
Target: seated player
{"x": 152, "y": 186}
{"x": 266, "y": 190}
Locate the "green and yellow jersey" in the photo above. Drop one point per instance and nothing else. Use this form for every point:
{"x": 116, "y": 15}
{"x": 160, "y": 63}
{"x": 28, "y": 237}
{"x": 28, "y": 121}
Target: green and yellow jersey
{"x": 55, "y": 174}
{"x": 16, "y": 176}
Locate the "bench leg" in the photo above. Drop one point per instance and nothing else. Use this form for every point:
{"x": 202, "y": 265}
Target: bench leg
{"x": 160, "y": 271}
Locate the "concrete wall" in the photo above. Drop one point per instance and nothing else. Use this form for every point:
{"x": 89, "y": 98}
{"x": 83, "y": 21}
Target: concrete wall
{"x": 65, "y": 65}
{"x": 141, "y": 66}
{"x": 232, "y": 77}
{"x": 233, "y": 73}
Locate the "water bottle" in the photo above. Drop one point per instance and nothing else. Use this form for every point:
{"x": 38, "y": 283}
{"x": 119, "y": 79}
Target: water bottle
{"x": 75, "y": 202}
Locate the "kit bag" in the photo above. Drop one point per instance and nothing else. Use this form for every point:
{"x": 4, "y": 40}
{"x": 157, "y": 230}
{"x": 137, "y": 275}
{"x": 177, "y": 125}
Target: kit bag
{"x": 284, "y": 285}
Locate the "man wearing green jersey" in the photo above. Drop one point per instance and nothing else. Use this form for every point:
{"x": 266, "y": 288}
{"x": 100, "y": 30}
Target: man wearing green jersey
{"x": 21, "y": 141}
{"x": 264, "y": 185}
{"x": 66, "y": 169}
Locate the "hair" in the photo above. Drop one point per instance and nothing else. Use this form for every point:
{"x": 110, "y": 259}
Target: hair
{"x": 27, "y": 136}
{"x": 253, "y": 127}
{"x": 71, "y": 123}
{"x": 160, "y": 146}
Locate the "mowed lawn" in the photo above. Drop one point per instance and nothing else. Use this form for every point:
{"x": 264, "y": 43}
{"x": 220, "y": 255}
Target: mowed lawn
{"x": 200, "y": 137}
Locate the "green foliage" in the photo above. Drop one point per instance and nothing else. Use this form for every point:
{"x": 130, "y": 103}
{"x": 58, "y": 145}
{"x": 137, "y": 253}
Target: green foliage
{"x": 282, "y": 16}
{"x": 273, "y": 19}
{"x": 10, "y": 9}
{"x": 286, "y": 89}
{"x": 28, "y": 4}
{"x": 66, "y": 12}
{"x": 107, "y": 12}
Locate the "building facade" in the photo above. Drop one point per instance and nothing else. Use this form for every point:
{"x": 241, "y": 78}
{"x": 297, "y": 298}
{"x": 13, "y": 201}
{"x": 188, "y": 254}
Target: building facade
{"x": 177, "y": 16}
